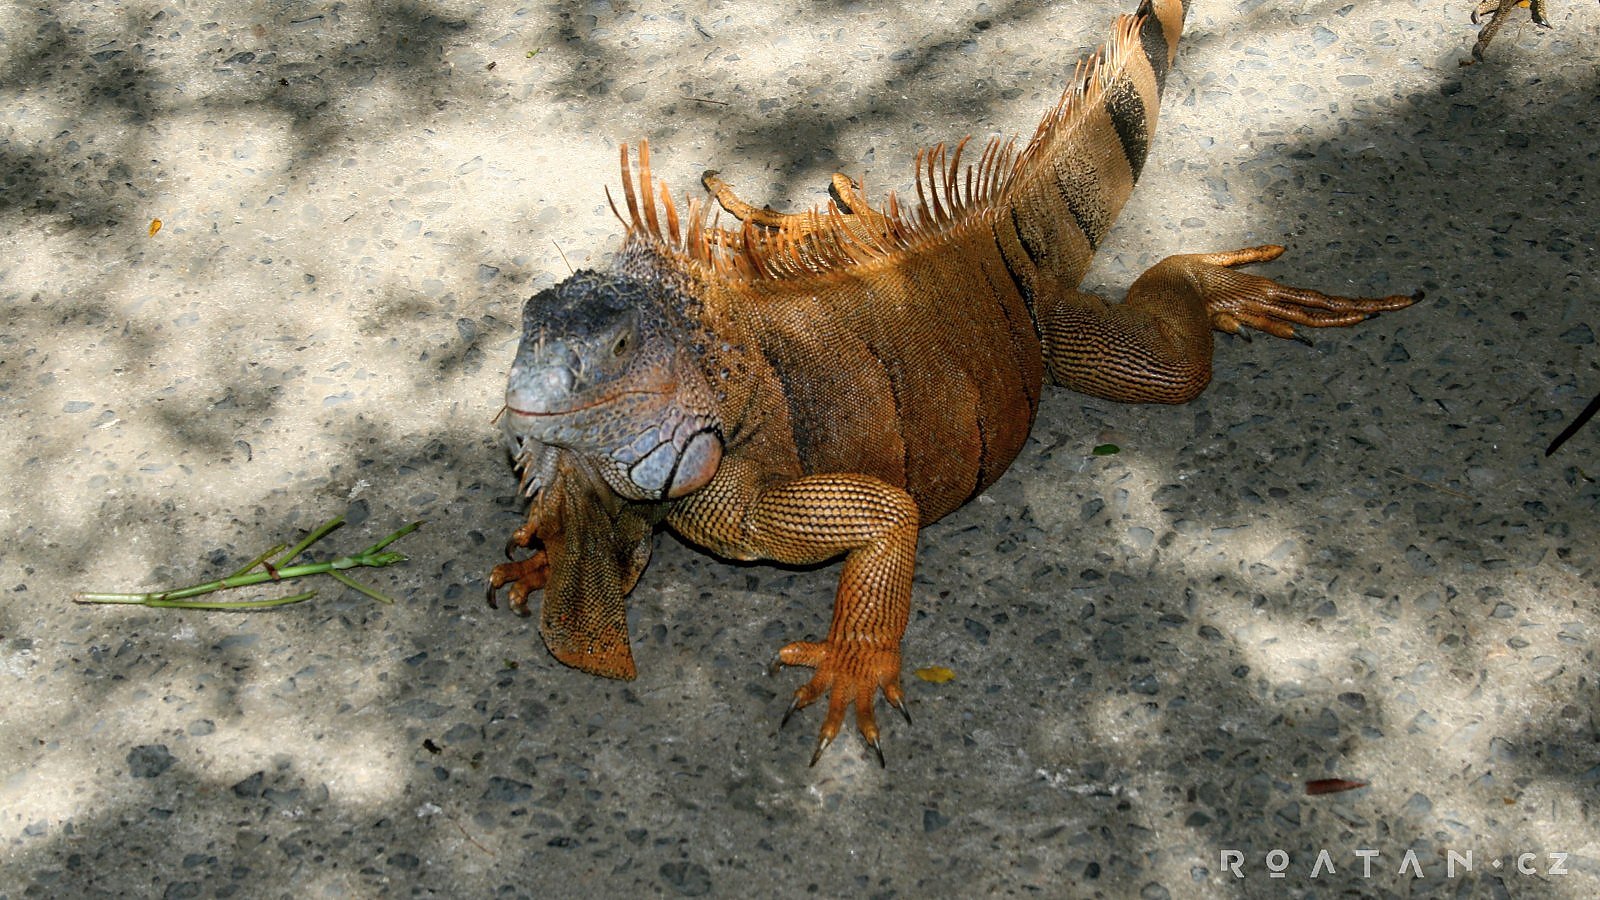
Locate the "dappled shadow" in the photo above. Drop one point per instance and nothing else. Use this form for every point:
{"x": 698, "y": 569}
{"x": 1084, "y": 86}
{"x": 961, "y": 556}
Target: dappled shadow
{"x": 123, "y": 81}
{"x": 1345, "y": 561}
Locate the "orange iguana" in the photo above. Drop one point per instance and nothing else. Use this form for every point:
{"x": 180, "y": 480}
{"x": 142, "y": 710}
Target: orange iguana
{"x": 810, "y": 386}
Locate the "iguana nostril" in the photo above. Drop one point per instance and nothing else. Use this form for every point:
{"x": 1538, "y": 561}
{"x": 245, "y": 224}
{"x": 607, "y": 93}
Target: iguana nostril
{"x": 545, "y": 389}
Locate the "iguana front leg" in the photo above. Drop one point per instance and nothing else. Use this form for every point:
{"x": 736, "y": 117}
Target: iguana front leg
{"x": 524, "y": 575}
{"x": 1156, "y": 347}
{"x": 589, "y": 550}
{"x": 809, "y": 520}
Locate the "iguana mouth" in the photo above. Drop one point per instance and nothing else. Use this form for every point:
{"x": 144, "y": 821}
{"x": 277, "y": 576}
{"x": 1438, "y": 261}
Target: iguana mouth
{"x": 671, "y": 468}
{"x": 584, "y": 407}
{"x": 655, "y": 446}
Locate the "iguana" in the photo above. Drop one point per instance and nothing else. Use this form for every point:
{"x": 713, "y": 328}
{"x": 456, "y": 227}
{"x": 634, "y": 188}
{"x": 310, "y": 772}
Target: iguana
{"x": 803, "y": 387}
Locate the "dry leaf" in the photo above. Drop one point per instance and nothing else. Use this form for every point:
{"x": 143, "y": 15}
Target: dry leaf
{"x": 1331, "y": 786}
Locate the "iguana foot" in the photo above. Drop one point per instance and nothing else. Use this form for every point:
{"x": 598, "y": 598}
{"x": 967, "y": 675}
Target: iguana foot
{"x": 1499, "y": 11}
{"x": 1236, "y": 300}
{"x": 849, "y": 675}
{"x": 1156, "y": 346}
{"x": 1499, "y": 8}
{"x": 739, "y": 209}
{"x": 524, "y": 575}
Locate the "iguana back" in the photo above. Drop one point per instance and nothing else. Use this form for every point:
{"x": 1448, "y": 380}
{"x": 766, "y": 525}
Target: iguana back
{"x": 906, "y": 347}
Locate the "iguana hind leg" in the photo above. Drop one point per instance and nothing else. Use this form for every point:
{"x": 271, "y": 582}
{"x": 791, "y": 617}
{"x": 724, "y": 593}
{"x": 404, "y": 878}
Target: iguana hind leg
{"x": 1156, "y": 347}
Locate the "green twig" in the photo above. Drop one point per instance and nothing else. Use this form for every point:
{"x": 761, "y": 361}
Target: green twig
{"x": 155, "y": 600}
{"x": 349, "y": 582}
{"x": 321, "y": 532}
{"x": 374, "y": 557}
{"x": 275, "y": 548}
{"x": 392, "y": 538}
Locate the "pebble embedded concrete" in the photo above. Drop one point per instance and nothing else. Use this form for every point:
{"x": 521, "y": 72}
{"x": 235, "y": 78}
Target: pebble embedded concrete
{"x": 1351, "y": 561}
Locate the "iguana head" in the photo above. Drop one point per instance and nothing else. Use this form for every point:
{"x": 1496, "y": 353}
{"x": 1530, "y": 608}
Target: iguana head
{"x": 604, "y": 371}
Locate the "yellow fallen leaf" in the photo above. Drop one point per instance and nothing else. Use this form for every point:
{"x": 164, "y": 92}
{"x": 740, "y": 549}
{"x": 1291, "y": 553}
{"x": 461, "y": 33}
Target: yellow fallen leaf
{"x": 155, "y": 226}
{"x": 936, "y": 674}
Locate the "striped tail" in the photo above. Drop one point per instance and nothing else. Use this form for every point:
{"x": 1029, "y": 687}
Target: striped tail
{"x": 1066, "y": 188}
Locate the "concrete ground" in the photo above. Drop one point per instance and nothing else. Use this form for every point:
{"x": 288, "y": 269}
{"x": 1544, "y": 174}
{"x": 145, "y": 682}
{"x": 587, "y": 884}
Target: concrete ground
{"x": 1352, "y": 561}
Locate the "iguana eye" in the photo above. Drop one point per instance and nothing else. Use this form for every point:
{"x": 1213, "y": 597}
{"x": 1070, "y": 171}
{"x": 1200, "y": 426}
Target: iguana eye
{"x": 622, "y": 345}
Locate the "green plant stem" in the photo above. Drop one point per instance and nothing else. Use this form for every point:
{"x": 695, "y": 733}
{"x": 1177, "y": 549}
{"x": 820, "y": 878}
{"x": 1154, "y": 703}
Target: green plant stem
{"x": 349, "y": 582}
{"x": 397, "y": 535}
{"x": 275, "y": 548}
{"x": 321, "y": 532}
{"x": 373, "y": 557}
{"x": 158, "y": 603}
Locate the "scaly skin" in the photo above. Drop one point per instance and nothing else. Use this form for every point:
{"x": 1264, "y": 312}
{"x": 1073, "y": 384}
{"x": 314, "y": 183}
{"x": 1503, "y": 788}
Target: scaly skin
{"x": 1499, "y": 11}
{"x": 819, "y": 385}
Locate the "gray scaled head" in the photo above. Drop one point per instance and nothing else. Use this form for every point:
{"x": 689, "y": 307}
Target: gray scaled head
{"x": 603, "y": 371}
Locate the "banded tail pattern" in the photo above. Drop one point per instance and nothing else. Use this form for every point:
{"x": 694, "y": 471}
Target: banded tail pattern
{"x": 1068, "y": 185}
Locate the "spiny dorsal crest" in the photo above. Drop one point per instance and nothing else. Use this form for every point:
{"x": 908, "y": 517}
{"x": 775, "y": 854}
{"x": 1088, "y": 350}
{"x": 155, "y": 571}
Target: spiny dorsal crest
{"x": 826, "y": 239}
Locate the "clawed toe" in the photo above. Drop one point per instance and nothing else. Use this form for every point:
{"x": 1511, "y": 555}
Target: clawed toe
{"x": 898, "y": 701}
{"x": 822, "y": 744}
{"x": 1238, "y": 301}
{"x": 524, "y": 575}
{"x": 525, "y": 535}
{"x": 878, "y": 749}
{"x": 848, "y": 677}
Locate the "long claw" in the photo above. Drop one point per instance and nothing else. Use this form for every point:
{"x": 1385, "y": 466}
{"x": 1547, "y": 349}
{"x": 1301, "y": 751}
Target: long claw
{"x": 901, "y": 706}
{"x": 847, "y": 676}
{"x": 1237, "y": 301}
{"x": 822, "y": 744}
{"x": 524, "y": 576}
{"x": 877, "y": 748}
{"x": 519, "y": 601}
{"x": 793, "y": 706}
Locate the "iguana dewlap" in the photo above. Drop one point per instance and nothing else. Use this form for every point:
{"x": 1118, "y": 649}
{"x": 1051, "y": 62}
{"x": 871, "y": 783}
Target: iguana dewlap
{"x": 821, "y": 385}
